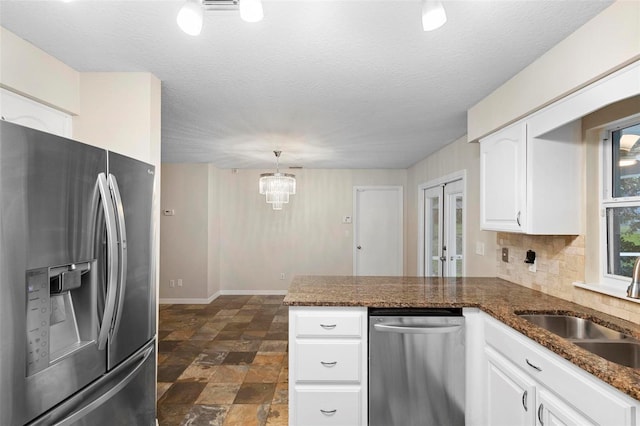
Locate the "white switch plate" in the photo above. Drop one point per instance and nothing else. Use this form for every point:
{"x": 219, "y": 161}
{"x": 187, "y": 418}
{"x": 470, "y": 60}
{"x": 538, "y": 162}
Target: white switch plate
{"x": 169, "y": 212}
{"x": 179, "y": 282}
{"x": 479, "y": 248}
{"x": 346, "y": 219}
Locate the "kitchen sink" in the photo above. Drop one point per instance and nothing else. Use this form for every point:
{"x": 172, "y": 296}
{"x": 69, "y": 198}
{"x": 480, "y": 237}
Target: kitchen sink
{"x": 620, "y": 352}
{"x": 571, "y": 327}
{"x": 609, "y": 344}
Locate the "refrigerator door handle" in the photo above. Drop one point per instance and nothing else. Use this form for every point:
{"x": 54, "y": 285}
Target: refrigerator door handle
{"x": 122, "y": 250}
{"x": 77, "y": 415}
{"x": 112, "y": 261}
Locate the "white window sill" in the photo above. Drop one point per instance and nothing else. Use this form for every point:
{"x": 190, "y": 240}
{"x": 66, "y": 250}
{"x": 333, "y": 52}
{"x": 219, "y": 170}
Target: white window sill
{"x": 614, "y": 291}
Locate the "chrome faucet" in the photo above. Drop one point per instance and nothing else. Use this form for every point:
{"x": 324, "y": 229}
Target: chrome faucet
{"x": 634, "y": 288}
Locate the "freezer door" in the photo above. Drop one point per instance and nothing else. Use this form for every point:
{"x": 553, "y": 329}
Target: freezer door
{"x": 49, "y": 314}
{"x": 131, "y": 183}
{"x": 124, "y": 396}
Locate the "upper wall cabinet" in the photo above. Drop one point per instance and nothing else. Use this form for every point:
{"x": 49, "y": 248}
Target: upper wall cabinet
{"x": 531, "y": 184}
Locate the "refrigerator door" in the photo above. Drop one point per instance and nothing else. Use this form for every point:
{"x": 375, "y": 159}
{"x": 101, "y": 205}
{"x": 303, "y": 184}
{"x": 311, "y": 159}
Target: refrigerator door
{"x": 131, "y": 183}
{"x": 49, "y": 314}
{"x": 124, "y": 396}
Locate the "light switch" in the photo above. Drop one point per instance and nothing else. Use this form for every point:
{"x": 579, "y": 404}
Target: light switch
{"x": 346, "y": 219}
{"x": 169, "y": 212}
{"x": 479, "y": 248}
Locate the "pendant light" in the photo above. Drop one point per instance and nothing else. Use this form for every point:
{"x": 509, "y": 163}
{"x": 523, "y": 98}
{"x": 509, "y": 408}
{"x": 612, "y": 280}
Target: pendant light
{"x": 190, "y": 17}
{"x": 277, "y": 187}
{"x": 433, "y": 15}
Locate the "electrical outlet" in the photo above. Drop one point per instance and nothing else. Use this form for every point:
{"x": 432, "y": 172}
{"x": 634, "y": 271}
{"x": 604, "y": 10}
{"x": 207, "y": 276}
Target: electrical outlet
{"x": 505, "y": 254}
{"x": 532, "y": 267}
{"x": 479, "y": 248}
{"x": 282, "y": 275}
{"x": 179, "y": 282}
{"x": 172, "y": 283}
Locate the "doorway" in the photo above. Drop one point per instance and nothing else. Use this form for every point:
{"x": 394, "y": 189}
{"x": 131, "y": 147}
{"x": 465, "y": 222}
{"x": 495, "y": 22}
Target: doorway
{"x": 378, "y": 231}
{"x": 442, "y": 220}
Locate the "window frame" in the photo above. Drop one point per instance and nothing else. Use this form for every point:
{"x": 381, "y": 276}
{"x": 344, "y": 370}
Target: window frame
{"x": 606, "y": 199}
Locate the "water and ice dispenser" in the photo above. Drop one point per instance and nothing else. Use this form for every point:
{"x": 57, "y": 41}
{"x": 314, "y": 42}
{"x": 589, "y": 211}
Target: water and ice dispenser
{"x": 61, "y": 313}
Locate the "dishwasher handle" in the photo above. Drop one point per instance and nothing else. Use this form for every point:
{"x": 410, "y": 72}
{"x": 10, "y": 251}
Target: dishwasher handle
{"x": 417, "y": 329}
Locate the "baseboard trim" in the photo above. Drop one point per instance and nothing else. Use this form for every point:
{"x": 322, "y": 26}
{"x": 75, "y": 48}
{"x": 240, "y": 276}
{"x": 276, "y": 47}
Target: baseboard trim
{"x": 198, "y": 301}
{"x": 190, "y": 301}
{"x": 252, "y": 292}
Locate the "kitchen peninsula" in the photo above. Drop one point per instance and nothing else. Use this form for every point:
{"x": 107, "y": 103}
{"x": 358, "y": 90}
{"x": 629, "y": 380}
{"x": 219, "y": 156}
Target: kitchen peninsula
{"x": 497, "y": 301}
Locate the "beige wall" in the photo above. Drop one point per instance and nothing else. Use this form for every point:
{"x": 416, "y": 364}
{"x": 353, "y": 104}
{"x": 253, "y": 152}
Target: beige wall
{"x": 608, "y": 42}
{"x": 454, "y": 157}
{"x": 184, "y": 240}
{"x": 117, "y": 111}
{"x": 27, "y": 70}
{"x": 249, "y": 244}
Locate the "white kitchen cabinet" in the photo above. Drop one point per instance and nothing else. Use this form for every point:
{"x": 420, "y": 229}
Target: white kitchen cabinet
{"x": 327, "y": 366}
{"x": 511, "y": 394}
{"x": 531, "y": 183}
{"x": 557, "y": 392}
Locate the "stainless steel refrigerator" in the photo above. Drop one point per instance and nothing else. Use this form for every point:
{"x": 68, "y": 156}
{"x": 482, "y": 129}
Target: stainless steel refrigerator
{"x": 77, "y": 297}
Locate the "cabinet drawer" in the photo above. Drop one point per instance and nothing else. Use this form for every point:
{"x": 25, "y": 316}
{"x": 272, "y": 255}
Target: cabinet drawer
{"x": 328, "y": 324}
{"x": 330, "y": 406}
{"x": 328, "y": 361}
{"x": 600, "y": 402}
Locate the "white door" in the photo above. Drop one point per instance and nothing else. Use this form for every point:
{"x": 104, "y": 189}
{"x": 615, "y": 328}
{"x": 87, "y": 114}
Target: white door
{"x": 378, "y": 231}
{"x": 443, "y": 230}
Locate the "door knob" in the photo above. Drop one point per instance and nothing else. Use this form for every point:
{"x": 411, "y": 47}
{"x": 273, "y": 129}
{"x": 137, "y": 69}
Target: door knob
{"x": 359, "y": 247}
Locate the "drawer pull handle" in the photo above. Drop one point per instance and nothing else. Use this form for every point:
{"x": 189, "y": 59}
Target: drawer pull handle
{"x": 535, "y": 367}
{"x": 524, "y": 400}
{"x": 329, "y": 364}
{"x": 328, "y": 412}
{"x": 540, "y": 412}
{"x": 328, "y": 326}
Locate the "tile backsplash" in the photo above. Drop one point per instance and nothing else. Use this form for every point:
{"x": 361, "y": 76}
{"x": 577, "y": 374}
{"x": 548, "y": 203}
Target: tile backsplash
{"x": 559, "y": 263}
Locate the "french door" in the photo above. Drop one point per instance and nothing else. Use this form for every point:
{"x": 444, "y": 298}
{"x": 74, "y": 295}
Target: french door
{"x": 443, "y": 227}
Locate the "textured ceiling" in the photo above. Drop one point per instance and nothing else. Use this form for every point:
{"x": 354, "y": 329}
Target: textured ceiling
{"x": 333, "y": 84}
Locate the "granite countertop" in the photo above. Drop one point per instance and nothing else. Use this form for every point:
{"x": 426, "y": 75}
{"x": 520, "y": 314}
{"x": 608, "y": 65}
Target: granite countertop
{"x": 498, "y": 298}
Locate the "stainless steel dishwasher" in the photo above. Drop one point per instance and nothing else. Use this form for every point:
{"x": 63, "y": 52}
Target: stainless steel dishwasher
{"x": 416, "y": 367}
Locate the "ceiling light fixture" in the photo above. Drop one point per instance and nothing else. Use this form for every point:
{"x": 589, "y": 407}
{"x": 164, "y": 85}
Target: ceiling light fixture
{"x": 433, "y": 15}
{"x": 277, "y": 187}
{"x": 191, "y": 13}
{"x": 251, "y": 10}
{"x": 190, "y": 17}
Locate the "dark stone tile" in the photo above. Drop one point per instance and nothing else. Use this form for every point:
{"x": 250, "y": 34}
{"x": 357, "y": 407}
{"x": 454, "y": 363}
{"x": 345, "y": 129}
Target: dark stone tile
{"x": 163, "y": 334}
{"x": 183, "y": 393}
{"x": 235, "y": 326}
{"x": 179, "y": 358}
{"x": 258, "y": 325}
{"x": 193, "y": 346}
{"x": 239, "y": 358}
{"x": 277, "y": 336}
{"x": 167, "y": 345}
{"x": 210, "y": 358}
{"x": 277, "y": 326}
{"x": 206, "y": 415}
{"x": 172, "y": 414}
{"x": 229, "y": 335}
{"x": 170, "y": 373}
{"x": 255, "y": 393}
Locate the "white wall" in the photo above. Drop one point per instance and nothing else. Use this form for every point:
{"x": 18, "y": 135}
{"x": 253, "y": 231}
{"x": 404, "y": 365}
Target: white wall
{"x": 605, "y": 44}
{"x": 454, "y": 157}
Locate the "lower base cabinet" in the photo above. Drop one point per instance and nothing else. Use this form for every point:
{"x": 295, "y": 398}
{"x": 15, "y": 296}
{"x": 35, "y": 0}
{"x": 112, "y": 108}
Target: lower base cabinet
{"x": 526, "y": 384}
{"x": 327, "y": 366}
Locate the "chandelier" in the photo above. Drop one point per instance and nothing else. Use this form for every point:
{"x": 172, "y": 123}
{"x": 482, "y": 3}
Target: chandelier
{"x": 277, "y": 187}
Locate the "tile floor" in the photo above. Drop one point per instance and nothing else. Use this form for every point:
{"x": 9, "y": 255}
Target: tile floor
{"x": 224, "y": 363}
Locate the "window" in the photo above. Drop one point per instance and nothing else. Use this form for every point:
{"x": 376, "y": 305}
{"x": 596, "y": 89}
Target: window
{"x": 621, "y": 201}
